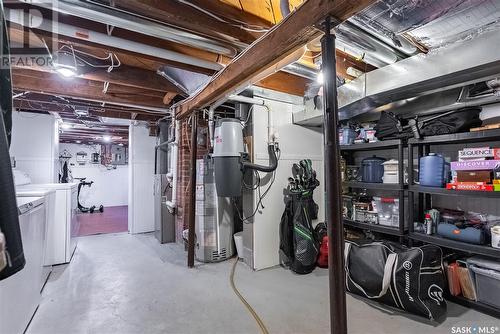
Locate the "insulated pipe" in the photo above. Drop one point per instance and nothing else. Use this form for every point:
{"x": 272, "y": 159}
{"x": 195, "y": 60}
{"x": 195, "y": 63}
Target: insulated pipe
{"x": 172, "y": 205}
{"x": 121, "y": 19}
{"x": 273, "y": 162}
{"x": 32, "y": 21}
{"x": 333, "y": 186}
{"x": 192, "y": 198}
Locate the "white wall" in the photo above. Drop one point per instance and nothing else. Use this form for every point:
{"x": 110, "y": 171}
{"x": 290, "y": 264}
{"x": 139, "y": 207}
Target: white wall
{"x": 296, "y": 143}
{"x": 141, "y": 174}
{"x": 110, "y": 187}
{"x": 35, "y": 145}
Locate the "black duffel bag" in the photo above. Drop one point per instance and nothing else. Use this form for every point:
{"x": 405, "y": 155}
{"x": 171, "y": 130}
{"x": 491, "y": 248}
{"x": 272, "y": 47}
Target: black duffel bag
{"x": 410, "y": 279}
{"x": 391, "y": 126}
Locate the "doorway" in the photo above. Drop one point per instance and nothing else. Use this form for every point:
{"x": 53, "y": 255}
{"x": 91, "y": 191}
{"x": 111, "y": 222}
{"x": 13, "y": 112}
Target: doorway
{"x": 96, "y": 157}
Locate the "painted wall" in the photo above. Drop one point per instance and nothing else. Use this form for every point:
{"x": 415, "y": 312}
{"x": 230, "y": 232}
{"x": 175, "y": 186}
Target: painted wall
{"x": 141, "y": 175}
{"x": 35, "y": 145}
{"x": 296, "y": 143}
{"x": 110, "y": 187}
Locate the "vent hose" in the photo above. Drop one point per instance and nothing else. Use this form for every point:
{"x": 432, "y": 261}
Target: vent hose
{"x": 9, "y": 220}
{"x": 273, "y": 162}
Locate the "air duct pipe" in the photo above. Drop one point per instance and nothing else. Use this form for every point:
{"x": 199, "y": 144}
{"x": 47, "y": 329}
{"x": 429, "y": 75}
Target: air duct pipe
{"x": 32, "y": 21}
{"x": 172, "y": 174}
{"x": 124, "y": 20}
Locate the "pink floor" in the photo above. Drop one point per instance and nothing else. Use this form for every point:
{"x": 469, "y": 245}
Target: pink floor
{"x": 113, "y": 220}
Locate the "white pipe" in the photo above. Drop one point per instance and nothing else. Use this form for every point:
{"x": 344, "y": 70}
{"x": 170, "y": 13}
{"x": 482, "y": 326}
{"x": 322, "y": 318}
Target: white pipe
{"x": 119, "y": 19}
{"x": 34, "y": 22}
{"x": 173, "y": 159}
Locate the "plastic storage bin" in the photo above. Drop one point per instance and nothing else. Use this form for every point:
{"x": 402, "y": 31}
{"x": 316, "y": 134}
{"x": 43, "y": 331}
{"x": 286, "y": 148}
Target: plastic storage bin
{"x": 387, "y": 210}
{"x": 487, "y": 286}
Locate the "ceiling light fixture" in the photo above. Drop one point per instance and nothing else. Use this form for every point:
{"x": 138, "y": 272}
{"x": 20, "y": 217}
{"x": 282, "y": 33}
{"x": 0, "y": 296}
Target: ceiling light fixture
{"x": 66, "y": 126}
{"x": 78, "y": 141}
{"x": 106, "y": 138}
{"x": 65, "y": 63}
{"x": 320, "y": 79}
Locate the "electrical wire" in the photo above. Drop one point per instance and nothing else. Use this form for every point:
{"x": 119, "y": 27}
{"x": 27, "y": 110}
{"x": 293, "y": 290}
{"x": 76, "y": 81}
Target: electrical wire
{"x": 260, "y": 205}
{"x": 241, "y": 24}
{"x": 244, "y": 301}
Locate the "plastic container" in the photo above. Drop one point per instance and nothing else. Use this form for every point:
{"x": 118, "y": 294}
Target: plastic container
{"x": 391, "y": 171}
{"x": 487, "y": 285}
{"x": 238, "y": 241}
{"x": 347, "y": 136}
{"x": 495, "y": 236}
{"x": 433, "y": 171}
{"x": 372, "y": 170}
{"x": 387, "y": 210}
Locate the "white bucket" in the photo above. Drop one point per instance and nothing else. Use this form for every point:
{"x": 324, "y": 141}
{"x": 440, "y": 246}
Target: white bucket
{"x": 238, "y": 240}
{"x": 495, "y": 236}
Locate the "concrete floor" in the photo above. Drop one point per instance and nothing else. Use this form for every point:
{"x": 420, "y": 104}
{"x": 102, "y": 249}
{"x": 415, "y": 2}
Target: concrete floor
{"x": 119, "y": 283}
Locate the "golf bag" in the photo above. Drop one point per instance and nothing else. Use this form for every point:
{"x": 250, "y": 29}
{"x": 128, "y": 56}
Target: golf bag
{"x": 411, "y": 279}
{"x": 299, "y": 247}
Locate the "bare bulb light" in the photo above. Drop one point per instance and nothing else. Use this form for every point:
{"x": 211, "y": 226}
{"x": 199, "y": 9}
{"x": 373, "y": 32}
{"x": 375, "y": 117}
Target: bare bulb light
{"x": 320, "y": 79}
{"x": 106, "y": 138}
{"x": 66, "y": 126}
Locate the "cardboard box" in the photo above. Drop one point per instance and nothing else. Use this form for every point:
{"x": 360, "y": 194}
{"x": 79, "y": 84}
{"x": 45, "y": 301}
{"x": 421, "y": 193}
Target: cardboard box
{"x": 474, "y": 176}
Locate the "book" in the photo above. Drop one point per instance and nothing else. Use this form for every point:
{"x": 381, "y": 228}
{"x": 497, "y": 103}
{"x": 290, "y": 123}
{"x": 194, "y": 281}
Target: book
{"x": 475, "y": 165}
{"x": 478, "y": 153}
{"x": 471, "y": 186}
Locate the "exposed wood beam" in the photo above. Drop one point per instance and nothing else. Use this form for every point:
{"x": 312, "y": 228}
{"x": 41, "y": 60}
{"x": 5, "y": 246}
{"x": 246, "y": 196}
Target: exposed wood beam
{"x": 279, "y": 43}
{"x": 285, "y": 82}
{"x": 51, "y": 83}
{"x": 230, "y": 12}
{"x": 186, "y": 17}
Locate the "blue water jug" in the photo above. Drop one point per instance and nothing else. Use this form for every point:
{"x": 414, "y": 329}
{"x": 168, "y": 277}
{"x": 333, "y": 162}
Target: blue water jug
{"x": 433, "y": 171}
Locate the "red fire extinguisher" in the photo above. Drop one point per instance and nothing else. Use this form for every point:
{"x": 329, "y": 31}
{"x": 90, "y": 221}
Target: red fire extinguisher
{"x": 323, "y": 253}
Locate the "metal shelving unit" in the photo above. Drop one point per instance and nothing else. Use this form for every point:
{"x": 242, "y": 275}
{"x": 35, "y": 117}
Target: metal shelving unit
{"x": 456, "y": 245}
{"x": 374, "y": 227}
{"x": 423, "y": 196}
{"x": 396, "y": 144}
{"x": 485, "y": 308}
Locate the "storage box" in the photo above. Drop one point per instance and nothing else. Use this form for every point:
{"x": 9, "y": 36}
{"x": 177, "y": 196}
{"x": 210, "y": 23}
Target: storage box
{"x": 387, "y": 210}
{"x": 475, "y": 176}
{"x": 486, "y": 276}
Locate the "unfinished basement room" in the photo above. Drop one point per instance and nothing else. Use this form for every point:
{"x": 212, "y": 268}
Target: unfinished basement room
{"x": 250, "y": 166}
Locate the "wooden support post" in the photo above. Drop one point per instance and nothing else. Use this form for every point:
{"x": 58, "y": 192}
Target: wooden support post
{"x": 336, "y": 270}
{"x": 192, "y": 197}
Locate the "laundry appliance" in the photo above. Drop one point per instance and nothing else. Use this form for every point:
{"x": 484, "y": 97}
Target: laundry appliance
{"x": 20, "y": 293}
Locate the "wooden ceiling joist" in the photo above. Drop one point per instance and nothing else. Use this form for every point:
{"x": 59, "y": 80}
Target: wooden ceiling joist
{"x": 280, "y": 42}
{"x": 42, "y": 82}
{"x": 186, "y": 17}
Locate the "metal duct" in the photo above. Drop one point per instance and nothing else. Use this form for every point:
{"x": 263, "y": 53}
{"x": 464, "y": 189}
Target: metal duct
{"x": 358, "y": 42}
{"x": 458, "y": 65}
{"x": 121, "y": 19}
{"x": 31, "y": 21}
{"x": 301, "y": 71}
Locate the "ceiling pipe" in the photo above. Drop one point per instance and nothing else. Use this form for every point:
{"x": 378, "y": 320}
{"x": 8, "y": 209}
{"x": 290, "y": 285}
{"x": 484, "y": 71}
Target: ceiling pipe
{"x": 301, "y": 71}
{"x": 33, "y": 22}
{"x": 124, "y": 20}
